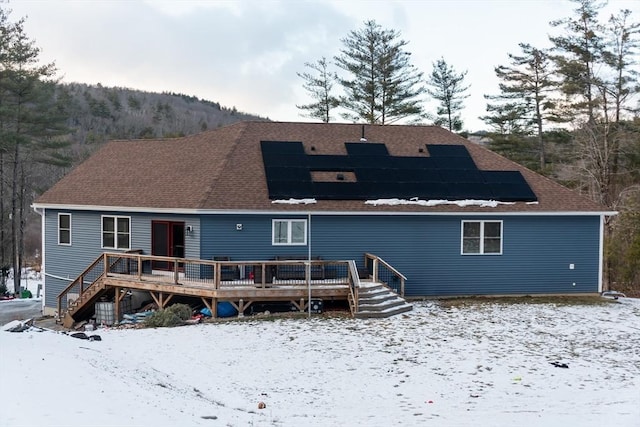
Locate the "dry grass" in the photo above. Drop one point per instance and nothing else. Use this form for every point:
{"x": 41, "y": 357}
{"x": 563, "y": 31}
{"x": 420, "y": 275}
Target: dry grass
{"x": 547, "y": 299}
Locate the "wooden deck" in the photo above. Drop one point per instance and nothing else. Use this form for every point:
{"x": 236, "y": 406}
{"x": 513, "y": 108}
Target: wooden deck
{"x": 239, "y": 283}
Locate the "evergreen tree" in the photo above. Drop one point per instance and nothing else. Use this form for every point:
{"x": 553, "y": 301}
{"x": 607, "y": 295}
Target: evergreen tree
{"x": 526, "y": 87}
{"x": 577, "y": 53}
{"x": 620, "y": 48}
{"x": 319, "y": 86}
{"x": 382, "y": 85}
{"x": 30, "y": 121}
{"x": 448, "y": 88}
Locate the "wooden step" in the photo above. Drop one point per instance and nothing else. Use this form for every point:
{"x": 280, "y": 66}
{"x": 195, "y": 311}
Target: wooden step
{"x": 378, "y": 300}
{"x": 384, "y": 313}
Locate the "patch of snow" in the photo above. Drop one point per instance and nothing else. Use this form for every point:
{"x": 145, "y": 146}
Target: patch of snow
{"x": 30, "y": 279}
{"x": 295, "y": 201}
{"x": 466, "y": 365}
{"x": 419, "y": 202}
{"x": 533, "y": 203}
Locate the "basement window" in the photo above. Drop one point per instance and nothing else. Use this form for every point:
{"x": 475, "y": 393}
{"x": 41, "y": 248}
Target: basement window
{"x": 481, "y": 238}
{"x": 116, "y": 232}
{"x": 289, "y": 232}
{"x": 64, "y": 229}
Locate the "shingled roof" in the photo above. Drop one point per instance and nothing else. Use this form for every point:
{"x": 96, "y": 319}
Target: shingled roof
{"x": 222, "y": 170}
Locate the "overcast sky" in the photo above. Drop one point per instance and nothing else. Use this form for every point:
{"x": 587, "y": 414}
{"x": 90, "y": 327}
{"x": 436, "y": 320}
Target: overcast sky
{"x": 245, "y": 54}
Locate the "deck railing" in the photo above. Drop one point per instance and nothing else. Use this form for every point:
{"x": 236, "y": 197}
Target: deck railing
{"x": 214, "y": 275}
{"x": 227, "y": 274}
{"x": 384, "y": 272}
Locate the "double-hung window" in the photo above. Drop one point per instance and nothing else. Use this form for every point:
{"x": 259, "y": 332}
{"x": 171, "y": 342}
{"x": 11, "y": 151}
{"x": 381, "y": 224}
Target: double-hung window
{"x": 116, "y": 232}
{"x": 64, "y": 229}
{"x": 289, "y": 232}
{"x": 482, "y": 237}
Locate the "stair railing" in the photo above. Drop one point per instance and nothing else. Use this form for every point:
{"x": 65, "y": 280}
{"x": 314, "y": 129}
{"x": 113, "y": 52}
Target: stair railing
{"x": 88, "y": 277}
{"x": 384, "y": 272}
{"x": 354, "y": 285}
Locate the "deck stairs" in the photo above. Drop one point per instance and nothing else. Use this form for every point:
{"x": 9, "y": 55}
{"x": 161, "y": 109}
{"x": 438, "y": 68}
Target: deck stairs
{"x": 377, "y": 300}
{"x": 84, "y": 301}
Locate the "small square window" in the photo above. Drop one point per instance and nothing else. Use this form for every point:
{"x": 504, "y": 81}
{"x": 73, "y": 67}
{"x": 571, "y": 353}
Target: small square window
{"x": 116, "y": 232}
{"x": 289, "y": 232}
{"x": 481, "y": 237}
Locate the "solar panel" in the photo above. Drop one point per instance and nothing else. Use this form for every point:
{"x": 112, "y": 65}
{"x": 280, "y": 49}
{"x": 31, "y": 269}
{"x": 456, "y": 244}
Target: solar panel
{"x": 281, "y": 147}
{"x": 513, "y": 192}
{"x": 325, "y": 162}
{"x": 366, "y": 149}
{"x": 288, "y": 173}
{"x": 474, "y": 191}
{"x": 461, "y": 176}
{"x": 448, "y": 173}
{"x": 446, "y": 150}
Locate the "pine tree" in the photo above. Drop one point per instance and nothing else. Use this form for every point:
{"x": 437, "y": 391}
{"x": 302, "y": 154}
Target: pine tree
{"x": 448, "y": 88}
{"x": 526, "y": 89}
{"x": 319, "y": 86}
{"x": 577, "y": 53}
{"x": 30, "y": 121}
{"x": 382, "y": 85}
{"x": 621, "y": 45}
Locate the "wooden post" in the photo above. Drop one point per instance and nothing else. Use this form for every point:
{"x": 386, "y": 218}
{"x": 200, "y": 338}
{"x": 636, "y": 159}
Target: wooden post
{"x": 241, "y": 308}
{"x": 375, "y": 269}
{"x": 139, "y": 268}
{"x": 175, "y": 272}
{"x": 116, "y": 308}
{"x": 214, "y": 308}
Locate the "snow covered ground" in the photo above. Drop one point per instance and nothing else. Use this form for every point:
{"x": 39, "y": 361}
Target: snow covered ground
{"x": 482, "y": 364}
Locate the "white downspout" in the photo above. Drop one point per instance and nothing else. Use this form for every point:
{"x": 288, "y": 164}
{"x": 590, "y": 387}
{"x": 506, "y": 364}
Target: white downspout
{"x": 41, "y": 212}
{"x": 601, "y": 255}
{"x": 309, "y": 260}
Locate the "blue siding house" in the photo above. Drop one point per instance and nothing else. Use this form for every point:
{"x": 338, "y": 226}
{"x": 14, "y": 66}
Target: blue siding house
{"x": 450, "y": 215}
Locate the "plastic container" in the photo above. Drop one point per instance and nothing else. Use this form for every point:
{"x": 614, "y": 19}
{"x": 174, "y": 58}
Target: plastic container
{"x": 105, "y": 311}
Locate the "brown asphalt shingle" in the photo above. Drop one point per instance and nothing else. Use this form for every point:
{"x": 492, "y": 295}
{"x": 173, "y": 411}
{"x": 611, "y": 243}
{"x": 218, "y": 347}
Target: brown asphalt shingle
{"x": 222, "y": 170}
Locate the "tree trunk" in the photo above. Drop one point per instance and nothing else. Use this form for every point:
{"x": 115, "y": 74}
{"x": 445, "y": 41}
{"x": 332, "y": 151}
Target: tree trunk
{"x": 14, "y": 219}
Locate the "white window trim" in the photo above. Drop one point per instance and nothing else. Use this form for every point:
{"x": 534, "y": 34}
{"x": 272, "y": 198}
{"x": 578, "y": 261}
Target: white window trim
{"x": 60, "y": 229}
{"x": 115, "y": 237}
{"x": 482, "y": 223}
{"x": 289, "y": 222}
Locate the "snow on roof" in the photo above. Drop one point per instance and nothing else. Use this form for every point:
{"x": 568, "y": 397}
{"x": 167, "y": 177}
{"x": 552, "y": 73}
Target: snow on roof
{"x": 419, "y": 202}
{"x": 295, "y": 201}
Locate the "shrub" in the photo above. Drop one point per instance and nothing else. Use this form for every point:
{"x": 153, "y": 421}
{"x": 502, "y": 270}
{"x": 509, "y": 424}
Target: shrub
{"x": 183, "y": 311}
{"x": 174, "y": 315}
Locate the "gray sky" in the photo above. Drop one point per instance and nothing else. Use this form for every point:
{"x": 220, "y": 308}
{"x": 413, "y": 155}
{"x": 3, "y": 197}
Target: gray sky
{"x": 246, "y": 53}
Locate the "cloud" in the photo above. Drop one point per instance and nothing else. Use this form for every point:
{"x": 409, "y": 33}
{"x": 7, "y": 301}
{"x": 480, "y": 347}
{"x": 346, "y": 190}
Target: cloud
{"x": 246, "y": 53}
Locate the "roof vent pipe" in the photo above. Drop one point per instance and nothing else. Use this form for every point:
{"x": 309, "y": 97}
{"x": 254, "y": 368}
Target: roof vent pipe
{"x": 362, "y": 138}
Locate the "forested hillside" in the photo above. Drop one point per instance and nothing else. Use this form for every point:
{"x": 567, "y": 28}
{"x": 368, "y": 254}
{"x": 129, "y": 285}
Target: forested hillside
{"x": 96, "y": 114}
{"x": 83, "y": 117}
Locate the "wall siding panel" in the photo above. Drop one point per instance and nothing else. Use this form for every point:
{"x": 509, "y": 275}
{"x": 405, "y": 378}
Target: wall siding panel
{"x": 69, "y": 261}
{"x": 537, "y": 251}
